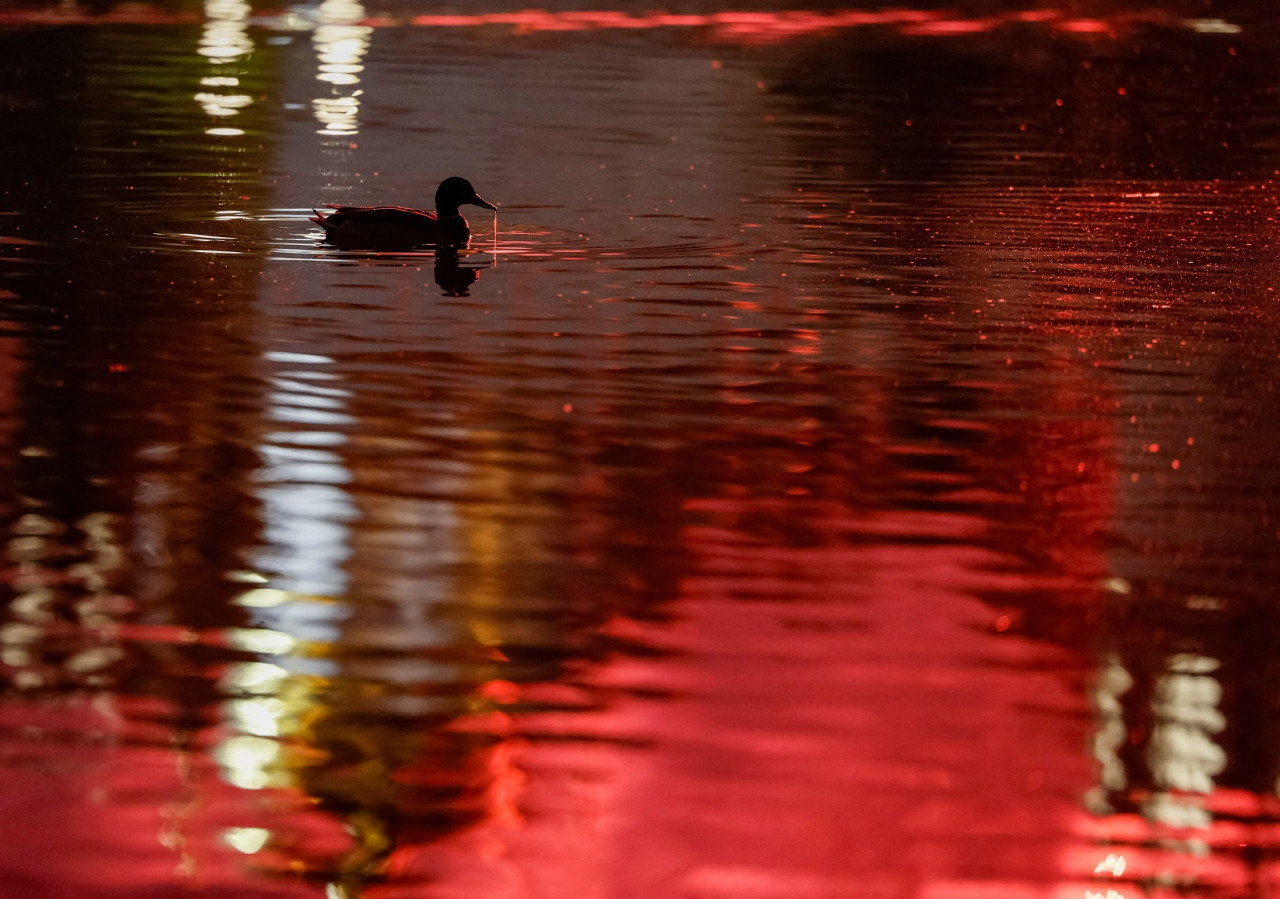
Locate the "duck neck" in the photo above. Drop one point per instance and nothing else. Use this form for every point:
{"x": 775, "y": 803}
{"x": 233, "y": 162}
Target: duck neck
{"x": 453, "y": 226}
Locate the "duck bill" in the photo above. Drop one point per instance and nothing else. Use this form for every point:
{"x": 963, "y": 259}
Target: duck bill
{"x": 478, "y": 200}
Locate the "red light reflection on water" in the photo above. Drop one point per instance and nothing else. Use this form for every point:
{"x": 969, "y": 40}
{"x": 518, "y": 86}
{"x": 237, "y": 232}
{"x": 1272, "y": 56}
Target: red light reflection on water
{"x": 789, "y": 764}
{"x": 867, "y": 728}
{"x": 741, "y": 26}
{"x": 768, "y": 26}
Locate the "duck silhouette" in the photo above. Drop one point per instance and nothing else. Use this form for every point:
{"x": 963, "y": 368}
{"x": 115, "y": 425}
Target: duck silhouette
{"x": 384, "y": 227}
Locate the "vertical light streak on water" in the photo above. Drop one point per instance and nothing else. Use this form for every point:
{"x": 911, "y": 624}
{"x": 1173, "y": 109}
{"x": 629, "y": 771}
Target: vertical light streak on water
{"x": 295, "y": 605}
{"x": 306, "y": 511}
{"x": 225, "y": 42}
{"x": 341, "y": 43}
{"x": 1182, "y": 754}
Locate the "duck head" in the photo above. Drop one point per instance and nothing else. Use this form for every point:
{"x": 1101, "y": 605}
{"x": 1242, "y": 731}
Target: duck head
{"x": 455, "y": 192}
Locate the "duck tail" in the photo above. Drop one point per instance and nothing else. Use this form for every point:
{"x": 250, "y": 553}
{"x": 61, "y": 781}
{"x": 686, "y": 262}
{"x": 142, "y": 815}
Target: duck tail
{"x": 323, "y": 221}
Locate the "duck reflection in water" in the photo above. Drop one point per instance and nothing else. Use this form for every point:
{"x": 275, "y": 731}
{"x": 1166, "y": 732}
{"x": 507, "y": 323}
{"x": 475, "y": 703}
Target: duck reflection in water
{"x": 399, "y": 227}
{"x": 454, "y": 279}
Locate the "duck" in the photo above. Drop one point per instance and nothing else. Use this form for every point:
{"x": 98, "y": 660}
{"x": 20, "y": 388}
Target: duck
{"x": 400, "y": 226}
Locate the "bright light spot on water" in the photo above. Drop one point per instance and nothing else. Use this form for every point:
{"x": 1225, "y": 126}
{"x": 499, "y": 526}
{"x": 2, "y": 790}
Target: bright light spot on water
{"x": 1181, "y": 812}
{"x": 305, "y": 438}
{"x": 246, "y": 839}
{"x": 246, "y": 577}
{"x": 223, "y": 104}
{"x": 1113, "y": 864}
{"x": 1182, "y": 753}
{"x": 302, "y": 358}
{"x": 225, "y": 37}
{"x": 224, "y": 132}
{"x": 263, "y": 598}
{"x": 338, "y": 114}
{"x": 246, "y": 759}
{"x": 1190, "y": 663}
{"x": 340, "y": 73}
{"x": 1212, "y": 26}
{"x": 341, "y": 44}
{"x": 262, "y": 678}
{"x": 259, "y": 716}
{"x": 301, "y": 414}
{"x": 261, "y": 640}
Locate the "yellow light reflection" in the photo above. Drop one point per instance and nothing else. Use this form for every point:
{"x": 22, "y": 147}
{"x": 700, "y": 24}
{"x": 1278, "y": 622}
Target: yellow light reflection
{"x": 246, "y": 839}
{"x": 1110, "y": 733}
{"x": 1182, "y": 752}
{"x": 251, "y": 763}
{"x": 225, "y": 36}
{"x": 261, "y": 640}
{"x": 258, "y": 716}
{"x": 1212, "y": 26}
{"x": 30, "y": 642}
{"x": 339, "y": 115}
{"x": 223, "y": 41}
{"x": 223, "y": 104}
{"x": 341, "y": 42}
{"x": 262, "y": 598}
{"x": 259, "y": 678}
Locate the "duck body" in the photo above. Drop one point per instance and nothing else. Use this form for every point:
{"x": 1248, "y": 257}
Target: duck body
{"x": 390, "y": 225}
{"x": 379, "y": 227}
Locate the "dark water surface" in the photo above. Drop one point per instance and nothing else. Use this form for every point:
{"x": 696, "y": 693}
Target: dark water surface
{"x": 849, "y": 470}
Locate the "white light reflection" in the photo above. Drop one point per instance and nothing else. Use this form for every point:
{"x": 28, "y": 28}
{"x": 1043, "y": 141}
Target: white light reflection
{"x": 292, "y": 583}
{"x": 1113, "y": 864}
{"x": 1212, "y": 26}
{"x": 251, "y": 757}
{"x": 255, "y": 678}
{"x": 262, "y": 598}
{"x": 1182, "y": 755}
{"x": 251, "y": 763}
{"x": 223, "y": 41}
{"x": 225, "y": 36}
{"x": 32, "y": 642}
{"x": 341, "y": 43}
{"x": 306, "y": 513}
{"x": 223, "y": 104}
{"x": 257, "y": 716}
{"x": 305, "y": 508}
{"x": 246, "y": 839}
{"x": 1111, "y": 732}
{"x": 261, "y": 640}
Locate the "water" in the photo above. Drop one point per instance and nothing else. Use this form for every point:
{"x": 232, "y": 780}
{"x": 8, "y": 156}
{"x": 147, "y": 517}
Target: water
{"x": 848, "y": 469}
